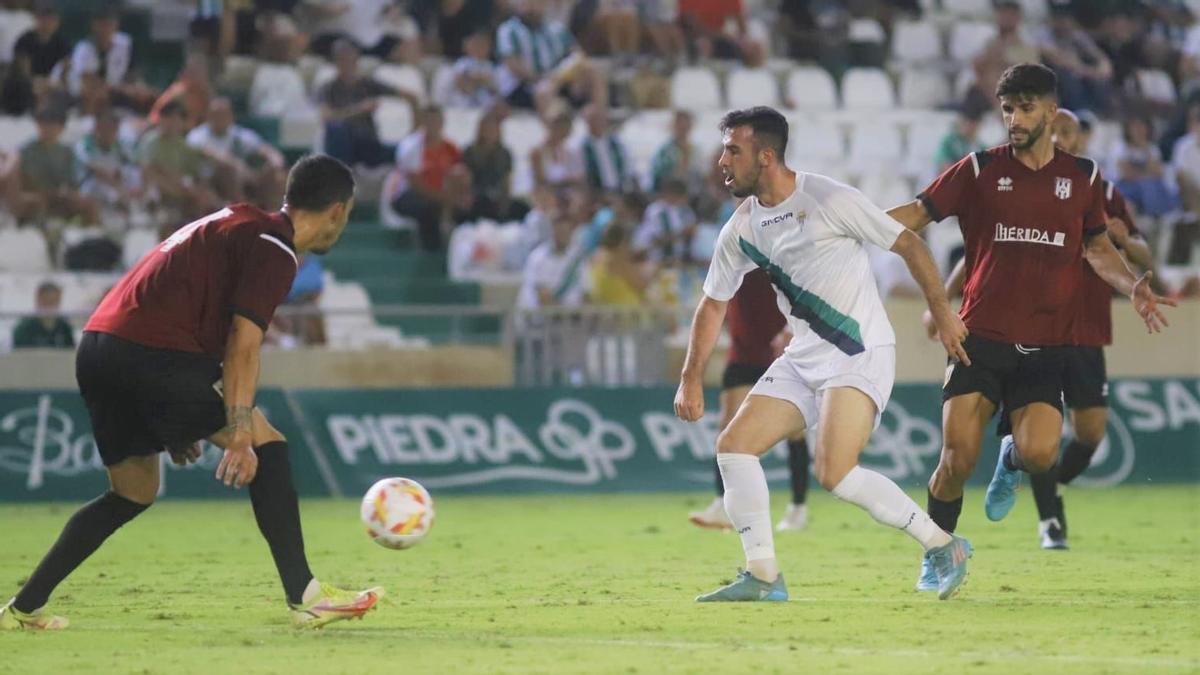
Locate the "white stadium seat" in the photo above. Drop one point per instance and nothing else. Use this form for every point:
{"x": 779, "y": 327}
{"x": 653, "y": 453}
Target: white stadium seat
{"x": 916, "y": 42}
{"x": 521, "y": 133}
{"x": 402, "y": 77}
{"x": 138, "y": 242}
{"x": 977, "y": 9}
{"x": 811, "y": 88}
{"x": 867, "y": 89}
{"x": 299, "y": 128}
{"x": 643, "y": 133}
{"x": 923, "y": 89}
{"x": 1156, "y": 86}
{"x": 16, "y": 131}
{"x": 968, "y": 38}
{"x": 695, "y": 88}
{"x": 752, "y": 86}
{"x": 276, "y": 88}
{"x": 923, "y": 141}
{"x": 874, "y": 146}
{"x": 706, "y": 134}
{"x": 442, "y": 84}
{"x": 815, "y": 146}
{"x": 885, "y": 189}
{"x": 1034, "y": 11}
{"x": 321, "y": 73}
{"x": 992, "y": 131}
{"x": 13, "y": 24}
{"x": 393, "y": 119}
{"x": 23, "y": 250}
{"x": 461, "y": 125}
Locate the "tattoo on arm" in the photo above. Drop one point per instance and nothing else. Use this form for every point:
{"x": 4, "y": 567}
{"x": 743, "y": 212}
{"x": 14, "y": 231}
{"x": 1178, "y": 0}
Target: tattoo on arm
{"x": 239, "y": 418}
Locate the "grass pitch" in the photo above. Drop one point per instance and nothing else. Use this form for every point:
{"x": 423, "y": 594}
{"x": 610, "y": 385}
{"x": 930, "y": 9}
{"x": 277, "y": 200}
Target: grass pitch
{"x": 579, "y": 583}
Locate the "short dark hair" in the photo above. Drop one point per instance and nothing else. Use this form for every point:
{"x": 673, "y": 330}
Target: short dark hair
{"x": 770, "y": 128}
{"x": 1028, "y": 80}
{"x": 51, "y": 112}
{"x": 317, "y": 182}
{"x": 172, "y": 108}
{"x": 48, "y": 287}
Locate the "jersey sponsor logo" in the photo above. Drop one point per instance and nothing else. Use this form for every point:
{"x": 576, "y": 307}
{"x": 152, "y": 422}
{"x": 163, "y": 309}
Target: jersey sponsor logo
{"x": 1030, "y": 235}
{"x": 775, "y": 220}
{"x": 1004, "y": 185}
{"x": 1062, "y": 188}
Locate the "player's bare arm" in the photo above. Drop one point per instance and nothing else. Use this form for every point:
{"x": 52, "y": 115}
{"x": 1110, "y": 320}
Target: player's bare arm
{"x": 240, "y": 380}
{"x": 954, "y": 289}
{"x": 1132, "y": 245}
{"x": 1108, "y": 263}
{"x": 706, "y": 327}
{"x": 924, "y": 271}
{"x": 912, "y": 215}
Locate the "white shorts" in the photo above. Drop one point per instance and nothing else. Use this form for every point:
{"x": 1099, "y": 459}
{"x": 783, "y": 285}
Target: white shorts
{"x": 803, "y": 382}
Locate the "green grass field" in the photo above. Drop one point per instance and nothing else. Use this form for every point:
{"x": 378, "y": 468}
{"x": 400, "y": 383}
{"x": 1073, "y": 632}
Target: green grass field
{"x": 605, "y": 584}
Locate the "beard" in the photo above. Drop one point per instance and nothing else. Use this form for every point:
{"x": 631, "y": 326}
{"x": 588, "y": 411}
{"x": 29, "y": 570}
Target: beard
{"x": 743, "y": 189}
{"x": 1031, "y": 137}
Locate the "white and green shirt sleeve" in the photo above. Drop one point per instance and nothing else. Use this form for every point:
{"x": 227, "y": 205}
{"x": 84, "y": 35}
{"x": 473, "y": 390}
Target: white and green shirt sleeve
{"x": 729, "y": 262}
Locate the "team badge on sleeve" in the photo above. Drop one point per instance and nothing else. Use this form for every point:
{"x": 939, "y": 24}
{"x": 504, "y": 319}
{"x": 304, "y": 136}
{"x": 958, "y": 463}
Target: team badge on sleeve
{"x": 1062, "y": 188}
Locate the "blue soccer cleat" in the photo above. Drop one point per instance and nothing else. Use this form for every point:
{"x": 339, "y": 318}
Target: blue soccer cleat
{"x": 748, "y": 588}
{"x": 1002, "y": 491}
{"x": 928, "y": 581}
{"x": 950, "y": 564}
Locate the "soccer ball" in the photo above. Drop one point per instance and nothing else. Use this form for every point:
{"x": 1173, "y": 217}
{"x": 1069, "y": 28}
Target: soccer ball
{"x": 398, "y": 512}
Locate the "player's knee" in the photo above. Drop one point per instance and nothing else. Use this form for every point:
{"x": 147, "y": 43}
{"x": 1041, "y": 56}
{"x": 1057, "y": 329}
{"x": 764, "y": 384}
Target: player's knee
{"x": 143, "y": 494}
{"x": 1092, "y": 438}
{"x": 1038, "y": 457}
{"x": 728, "y": 442}
{"x": 958, "y": 461}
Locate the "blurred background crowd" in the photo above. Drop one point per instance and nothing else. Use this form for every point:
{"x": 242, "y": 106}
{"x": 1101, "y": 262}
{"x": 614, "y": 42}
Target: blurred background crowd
{"x": 565, "y": 150}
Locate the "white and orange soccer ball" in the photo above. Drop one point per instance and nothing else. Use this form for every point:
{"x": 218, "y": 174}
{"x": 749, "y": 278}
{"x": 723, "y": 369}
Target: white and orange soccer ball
{"x": 398, "y": 512}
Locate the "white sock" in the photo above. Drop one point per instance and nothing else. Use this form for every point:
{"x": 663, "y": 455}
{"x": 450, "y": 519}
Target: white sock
{"x": 311, "y": 591}
{"x": 748, "y": 505}
{"x": 888, "y": 504}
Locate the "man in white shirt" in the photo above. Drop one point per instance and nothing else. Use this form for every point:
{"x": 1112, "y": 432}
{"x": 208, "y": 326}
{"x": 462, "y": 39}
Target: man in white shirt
{"x": 1185, "y": 160}
{"x": 378, "y": 27}
{"x": 255, "y": 170}
{"x": 101, "y": 65}
{"x": 554, "y": 274}
{"x": 808, "y": 232}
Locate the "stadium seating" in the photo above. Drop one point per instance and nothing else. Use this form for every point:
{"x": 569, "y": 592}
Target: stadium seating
{"x": 916, "y": 43}
{"x": 16, "y": 131}
{"x": 23, "y": 250}
{"x": 976, "y": 9}
{"x": 967, "y": 38}
{"x": 695, "y": 88}
{"x": 404, "y": 78}
{"x": 442, "y": 84}
{"x": 867, "y": 89}
{"x": 1156, "y": 86}
{"x": 811, "y": 88}
{"x": 885, "y": 189}
{"x": 138, "y": 242}
{"x": 923, "y": 88}
{"x": 276, "y": 89}
{"x": 13, "y": 23}
{"x": 815, "y": 146}
{"x": 393, "y": 119}
{"x": 461, "y": 124}
{"x": 749, "y": 87}
{"x": 874, "y": 146}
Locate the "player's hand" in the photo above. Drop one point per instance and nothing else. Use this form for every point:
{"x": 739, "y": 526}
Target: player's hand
{"x": 931, "y": 329}
{"x": 189, "y": 454}
{"x": 1146, "y": 302}
{"x": 689, "y": 400}
{"x": 239, "y": 463}
{"x": 952, "y": 331}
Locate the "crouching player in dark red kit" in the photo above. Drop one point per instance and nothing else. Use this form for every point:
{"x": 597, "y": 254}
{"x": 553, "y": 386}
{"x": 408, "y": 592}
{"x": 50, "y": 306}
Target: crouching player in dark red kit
{"x": 171, "y": 357}
{"x": 1029, "y": 214}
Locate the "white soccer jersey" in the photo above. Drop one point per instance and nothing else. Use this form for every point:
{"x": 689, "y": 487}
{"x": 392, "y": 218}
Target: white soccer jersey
{"x": 811, "y": 245}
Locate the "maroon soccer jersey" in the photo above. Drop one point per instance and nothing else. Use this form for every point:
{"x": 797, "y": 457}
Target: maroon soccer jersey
{"x": 1094, "y": 325}
{"x": 1024, "y": 232}
{"x": 754, "y": 320}
{"x": 183, "y": 294}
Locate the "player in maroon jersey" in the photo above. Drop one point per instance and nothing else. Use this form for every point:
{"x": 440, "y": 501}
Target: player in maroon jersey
{"x": 754, "y": 322}
{"x": 1028, "y": 213}
{"x": 171, "y": 357}
{"x": 1085, "y": 379}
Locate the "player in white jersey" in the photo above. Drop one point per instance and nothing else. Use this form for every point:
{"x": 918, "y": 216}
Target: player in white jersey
{"x": 807, "y": 232}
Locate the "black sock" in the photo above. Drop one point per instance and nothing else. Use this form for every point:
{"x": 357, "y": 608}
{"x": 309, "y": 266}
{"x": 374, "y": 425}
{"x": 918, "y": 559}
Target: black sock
{"x": 277, "y": 510}
{"x": 81, "y": 536}
{"x": 798, "y": 468}
{"x": 944, "y": 514}
{"x": 1075, "y": 460}
{"x": 1062, "y": 515}
{"x": 1045, "y": 488}
{"x": 720, "y": 481}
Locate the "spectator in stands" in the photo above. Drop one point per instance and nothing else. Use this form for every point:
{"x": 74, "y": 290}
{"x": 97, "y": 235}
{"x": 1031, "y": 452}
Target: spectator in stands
{"x": 35, "y": 55}
{"x": 660, "y": 18}
{"x": 46, "y": 329}
{"x": 1011, "y": 45}
{"x": 254, "y": 169}
{"x": 1139, "y": 170}
{"x": 1084, "y": 72}
{"x": 108, "y": 166}
{"x": 102, "y": 66}
{"x": 553, "y": 273}
{"x": 666, "y": 231}
{"x": 434, "y": 180}
{"x": 604, "y": 158}
{"x": 378, "y": 28}
{"x": 617, "y": 21}
{"x": 617, "y": 278}
{"x": 448, "y": 23}
{"x": 347, "y": 104}
{"x": 490, "y": 164}
{"x": 963, "y": 138}
{"x": 544, "y": 203}
{"x": 555, "y": 163}
{"x": 677, "y": 157}
{"x": 704, "y": 27}
{"x": 193, "y": 89}
{"x": 540, "y": 63}
{"x": 178, "y": 172}
{"x": 475, "y": 84}
{"x": 1185, "y": 160}
{"x": 307, "y": 328}
{"x": 49, "y": 175}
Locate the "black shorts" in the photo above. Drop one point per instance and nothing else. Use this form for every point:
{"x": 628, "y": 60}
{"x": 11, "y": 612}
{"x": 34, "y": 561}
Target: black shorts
{"x": 1085, "y": 377}
{"x": 741, "y": 375}
{"x": 143, "y": 400}
{"x": 1010, "y": 376}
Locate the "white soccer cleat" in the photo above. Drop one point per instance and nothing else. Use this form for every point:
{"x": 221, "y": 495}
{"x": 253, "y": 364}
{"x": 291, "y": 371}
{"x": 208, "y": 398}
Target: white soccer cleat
{"x": 335, "y": 604}
{"x": 794, "y": 519}
{"x": 713, "y": 517}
